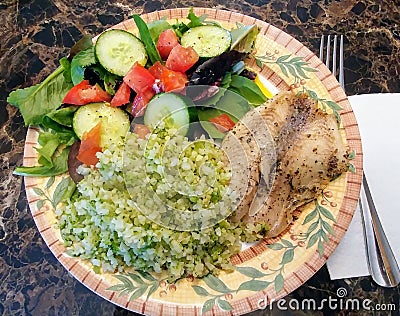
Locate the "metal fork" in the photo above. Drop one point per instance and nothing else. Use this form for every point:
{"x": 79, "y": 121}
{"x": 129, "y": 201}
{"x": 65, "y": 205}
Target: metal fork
{"x": 381, "y": 260}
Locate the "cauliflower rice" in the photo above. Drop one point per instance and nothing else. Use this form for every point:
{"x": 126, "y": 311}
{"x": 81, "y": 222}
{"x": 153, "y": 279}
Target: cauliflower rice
{"x": 103, "y": 223}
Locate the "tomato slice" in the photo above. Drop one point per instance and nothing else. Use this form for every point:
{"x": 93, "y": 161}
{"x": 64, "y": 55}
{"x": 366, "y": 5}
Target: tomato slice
{"x": 166, "y": 42}
{"x": 90, "y": 145}
{"x": 181, "y": 58}
{"x": 141, "y": 100}
{"x": 223, "y": 122}
{"x": 84, "y": 93}
{"x": 157, "y": 69}
{"x": 173, "y": 80}
{"x": 170, "y": 80}
{"x": 139, "y": 78}
{"x": 122, "y": 95}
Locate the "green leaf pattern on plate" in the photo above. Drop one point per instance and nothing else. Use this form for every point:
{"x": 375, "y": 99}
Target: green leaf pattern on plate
{"x": 63, "y": 190}
{"x": 336, "y": 108}
{"x": 250, "y": 272}
{"x": 351, "y": 156}
{"x": 288, "y": 64}
{"x": 216, "y": 284}
{"x": 135, "y": 284}
{"x": 224, "y": 305}
{"x": 253, "y": 285}
{"x": 208, "y": 305}
{"x": 220, "y": 293}
{"x": 296, "y": 67}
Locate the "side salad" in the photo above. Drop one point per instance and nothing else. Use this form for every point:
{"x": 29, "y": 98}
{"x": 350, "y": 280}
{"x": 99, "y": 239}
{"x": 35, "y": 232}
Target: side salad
{"x": 97, "y": 90}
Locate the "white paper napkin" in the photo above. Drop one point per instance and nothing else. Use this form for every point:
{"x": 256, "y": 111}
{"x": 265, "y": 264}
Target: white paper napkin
{"x": 378, "y": 116}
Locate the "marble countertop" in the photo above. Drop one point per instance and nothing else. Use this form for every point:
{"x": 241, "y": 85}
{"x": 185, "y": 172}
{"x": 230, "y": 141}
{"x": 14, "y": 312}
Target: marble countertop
{"x": 37, "y": 33}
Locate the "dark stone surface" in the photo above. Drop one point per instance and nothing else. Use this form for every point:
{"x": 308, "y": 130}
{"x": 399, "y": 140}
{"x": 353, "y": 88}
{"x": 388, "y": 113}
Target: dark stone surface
{"x": 36, "y": 33}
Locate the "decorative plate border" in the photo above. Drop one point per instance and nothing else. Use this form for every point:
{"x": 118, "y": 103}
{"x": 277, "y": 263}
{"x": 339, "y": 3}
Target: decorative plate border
{"x": 240, "y": 292}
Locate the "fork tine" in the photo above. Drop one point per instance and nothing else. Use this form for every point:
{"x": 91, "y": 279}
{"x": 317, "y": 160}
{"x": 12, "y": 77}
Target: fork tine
{"x": 328, "y": 51}
{"x": 321, "y": 48}
{"x": 341, "y": 63}
{"x": 334, "y": 55}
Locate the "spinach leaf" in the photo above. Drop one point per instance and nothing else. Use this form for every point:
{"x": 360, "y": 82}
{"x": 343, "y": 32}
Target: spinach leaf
{"x": 67, "y": 138}
{"x": 180, "y": 28}
{"x": 226, "y": 81}
{"x": 109, "y": 79}
{"x": 147, "y": 39}
{"x": 230, "y": 103}
{"x": 208, "y": 126}
{"x": 36, "y": 101}
{"x": 195, "y": 20}
{"x": 247, "y": 89}
{"x": 244, "y": 37}
{"x": 207, "y": 101}
{"x": 84, "y": 43}
{"x": 81, "y": 60}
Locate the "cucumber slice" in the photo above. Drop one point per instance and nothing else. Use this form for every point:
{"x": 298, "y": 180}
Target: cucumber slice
{"x": 118, "y": 50}
{"x": 114, "y": 122}
{"x": 207, "y": 40}
{"x": 171, "y": 108}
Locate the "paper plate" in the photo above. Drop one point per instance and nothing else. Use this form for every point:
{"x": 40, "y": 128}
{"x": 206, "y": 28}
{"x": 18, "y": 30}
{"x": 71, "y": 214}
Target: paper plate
{"x": 266, "y": 271}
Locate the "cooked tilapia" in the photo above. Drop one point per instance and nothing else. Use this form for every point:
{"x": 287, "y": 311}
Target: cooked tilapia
{"x": 251, "y": 148}
{"x": 244, "y": 155}
{"x": 308, "y": 154}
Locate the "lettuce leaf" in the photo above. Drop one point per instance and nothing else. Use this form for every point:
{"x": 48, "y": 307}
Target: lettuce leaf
{"x": 195, "y": 20}
{"x": 49, "y": 143}
{"x": 244, "y": 38}
{"x": 157, "y": 27}
{"x": 59, "y": 165}
{"x": 63, "y": 116}
{"x": 39, "y": 100}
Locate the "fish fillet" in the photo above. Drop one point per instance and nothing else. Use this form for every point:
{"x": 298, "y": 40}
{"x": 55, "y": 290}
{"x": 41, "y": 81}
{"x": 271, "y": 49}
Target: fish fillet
{"x": 309, "y": 153}
{"x": 250, "y": 146}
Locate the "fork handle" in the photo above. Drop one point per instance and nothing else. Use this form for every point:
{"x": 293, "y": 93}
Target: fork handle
{"x": 381, "y": 260}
